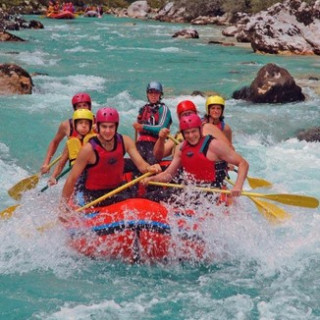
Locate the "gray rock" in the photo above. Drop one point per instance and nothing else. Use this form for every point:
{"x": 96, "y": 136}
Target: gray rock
{"x": 310, "y": 135}
{"x": 138, "y": 9}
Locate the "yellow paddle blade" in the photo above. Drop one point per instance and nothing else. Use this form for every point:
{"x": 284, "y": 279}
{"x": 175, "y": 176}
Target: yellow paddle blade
{"x": 270, "y": 211}
{"x": 47, "y": 226}
{"x": 115, "y": 191}
{"x": 290, "y": 199}
{"x": 18, "y": 189}
{"x": 173, "y": 139}
{"x": 7, "y": 213}
{"x": 258, "y": 183}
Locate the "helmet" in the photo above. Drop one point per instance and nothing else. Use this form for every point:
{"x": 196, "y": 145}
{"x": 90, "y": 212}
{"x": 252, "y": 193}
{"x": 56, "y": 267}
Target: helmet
{"x": 107, "y": 114}
{"x": 186, "y": 105}
{"x": 189, "y": 122}
{"x": 82, "y": 114}
{"x": 81, "y": 97}
{"x": 155, "y": 85}
{"x": 214, "y": 100}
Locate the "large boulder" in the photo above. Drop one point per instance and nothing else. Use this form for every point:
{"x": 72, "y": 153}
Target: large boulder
{"x": 138, "y": 9}
{"x": 14, "y": 80}
{"x": 273, "y": 84}
{"x": 310, "y": 135}
{"x": 289, "y": 27}
{"x": 6, "y": 36}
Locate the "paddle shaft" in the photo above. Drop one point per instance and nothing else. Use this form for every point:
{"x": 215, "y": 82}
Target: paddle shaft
{"x": 115, "y": 191}
{"x": 58, "y": 177}
{"x": 290, "y": 199}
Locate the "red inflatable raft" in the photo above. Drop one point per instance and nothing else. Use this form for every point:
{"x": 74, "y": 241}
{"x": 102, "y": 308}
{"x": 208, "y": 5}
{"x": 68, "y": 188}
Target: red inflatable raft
{"x": 137, "y": 230}
{"x": 61, "y": 15}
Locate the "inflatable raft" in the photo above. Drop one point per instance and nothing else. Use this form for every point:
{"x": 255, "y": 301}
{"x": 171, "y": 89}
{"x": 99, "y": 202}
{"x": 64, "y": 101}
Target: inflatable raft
{"x": 136, "y": 230}
{"x": 61, "y": 15}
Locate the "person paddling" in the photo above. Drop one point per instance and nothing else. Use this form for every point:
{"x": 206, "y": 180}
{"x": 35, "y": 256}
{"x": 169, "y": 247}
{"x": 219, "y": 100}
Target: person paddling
{"x": 101, "y": 162}
{"x": 83, "y": 124}
{"x": 81, "y": 100}
{"x": 197, "y": 156}
{"x": 165, "y": 147}
{"x": 153, "y": 117}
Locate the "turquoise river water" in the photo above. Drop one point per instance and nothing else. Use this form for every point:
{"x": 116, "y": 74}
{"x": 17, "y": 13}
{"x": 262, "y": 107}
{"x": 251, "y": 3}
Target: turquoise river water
{"x": 260, "y": 271}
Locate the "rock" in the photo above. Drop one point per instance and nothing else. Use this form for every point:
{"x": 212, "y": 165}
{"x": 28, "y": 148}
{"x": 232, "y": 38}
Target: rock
{"x": 289, "y": 27}
{"x": 14, "y": 80}
{"x": 273, "y": 84}
{"x": 6, "y": 36}
{"x": 172, "y": 13}
{"x": 198, "y": 93}
{"x": 186, "y": 34}
{"x": 34, "y": 24}
{"x": 138, "y": 9}
{"x": 310, "y": 135}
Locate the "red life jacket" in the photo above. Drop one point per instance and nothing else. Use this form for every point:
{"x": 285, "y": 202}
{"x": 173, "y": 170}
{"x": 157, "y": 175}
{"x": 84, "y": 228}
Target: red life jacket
{"x": 148, "y": 115}
{"x": 107, "y": 172}
{"x": 220, "y": 125}
{"x": 195, "y": 162}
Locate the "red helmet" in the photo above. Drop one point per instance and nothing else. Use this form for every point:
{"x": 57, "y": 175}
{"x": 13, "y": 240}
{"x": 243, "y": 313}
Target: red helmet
{"x": 107, "y": 114}
{"x": 189, "y": 122}
{"x": 81, "y": 97}
{"x": 186, "y": 105}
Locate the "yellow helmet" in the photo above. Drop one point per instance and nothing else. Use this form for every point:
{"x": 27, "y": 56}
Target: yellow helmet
{"x": 214, "y": 100}
{"x": 83, "y": 114}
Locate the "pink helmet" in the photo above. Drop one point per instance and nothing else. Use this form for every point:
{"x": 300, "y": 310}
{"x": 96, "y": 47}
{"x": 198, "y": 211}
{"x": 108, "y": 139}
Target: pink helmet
{"x": 107, "y": 114}
{"x": 190, "y": 121}
{"x": 81, "y": 97}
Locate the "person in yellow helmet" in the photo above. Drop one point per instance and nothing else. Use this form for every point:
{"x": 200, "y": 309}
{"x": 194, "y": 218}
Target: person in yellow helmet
{"x": 83, "y": 123}
{"x": 80, "y": 100}
{"x": 214, "y": 114}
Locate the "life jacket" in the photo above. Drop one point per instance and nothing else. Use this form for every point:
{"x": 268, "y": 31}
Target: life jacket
{"x": 149, "y": 114}
{"x": 195, "y": 162}
{"x": 75, "y": 144}
{"x": 221, "y": 125}
{"x": 107, "y": 172}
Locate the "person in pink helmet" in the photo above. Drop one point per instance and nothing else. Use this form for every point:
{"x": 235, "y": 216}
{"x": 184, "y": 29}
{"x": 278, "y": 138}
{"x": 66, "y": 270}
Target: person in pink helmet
{"x": 197, "y": 155}
{"x": 100, "y": 162}
{"x": 80, "y": 100}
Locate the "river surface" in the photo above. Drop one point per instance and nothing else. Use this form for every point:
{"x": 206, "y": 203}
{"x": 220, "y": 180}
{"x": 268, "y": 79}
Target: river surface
{"x": 260, "y": 270}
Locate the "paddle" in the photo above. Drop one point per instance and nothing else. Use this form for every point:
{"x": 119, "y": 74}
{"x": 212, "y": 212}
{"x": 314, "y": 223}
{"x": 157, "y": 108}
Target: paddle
{"x": 19, "y": 188}
{"x": 268, "y": 210}
{"x": 7, "y": 213}
{"x": 58, "y": 177}
{"x": 290, "y": 199}
{"x": 107, "y": 195}
{"x": 115, "y": 191}
{"x": 257, "y": 182}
